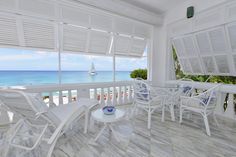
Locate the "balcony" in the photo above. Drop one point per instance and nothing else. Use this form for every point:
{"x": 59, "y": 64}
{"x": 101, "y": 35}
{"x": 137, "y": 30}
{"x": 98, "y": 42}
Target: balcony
{"x": 204, "y": 46}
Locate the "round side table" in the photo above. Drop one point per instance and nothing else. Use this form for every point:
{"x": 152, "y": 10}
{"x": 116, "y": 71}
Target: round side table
{"x": 99, "y": 116}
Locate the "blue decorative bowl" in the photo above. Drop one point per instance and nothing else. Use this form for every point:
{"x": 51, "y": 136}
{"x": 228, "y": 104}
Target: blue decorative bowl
{"x": 109, "y": 110}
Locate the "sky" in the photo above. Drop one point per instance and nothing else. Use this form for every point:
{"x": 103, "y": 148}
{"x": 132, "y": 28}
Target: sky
{"x": 16, "y": 59}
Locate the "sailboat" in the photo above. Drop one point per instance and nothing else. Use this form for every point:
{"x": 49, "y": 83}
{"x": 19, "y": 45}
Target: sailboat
{"x": 92, "y": 70}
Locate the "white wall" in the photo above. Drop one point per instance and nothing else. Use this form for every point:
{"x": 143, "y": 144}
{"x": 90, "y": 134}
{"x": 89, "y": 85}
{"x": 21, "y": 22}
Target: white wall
{"x": 179, "y": 12}
{"x": 160, "y": 68}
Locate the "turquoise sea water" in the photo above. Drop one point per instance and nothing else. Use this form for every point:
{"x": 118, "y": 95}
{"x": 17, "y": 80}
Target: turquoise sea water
{"x": 13, "y": 78}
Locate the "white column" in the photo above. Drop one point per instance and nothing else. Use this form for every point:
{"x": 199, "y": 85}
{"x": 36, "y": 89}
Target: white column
{"x": 159, "y": 55}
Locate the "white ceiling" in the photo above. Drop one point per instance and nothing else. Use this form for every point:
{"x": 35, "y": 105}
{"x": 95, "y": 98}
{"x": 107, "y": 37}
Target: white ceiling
{"x": 156, "y": 6}
{"x": 126, "y": 8}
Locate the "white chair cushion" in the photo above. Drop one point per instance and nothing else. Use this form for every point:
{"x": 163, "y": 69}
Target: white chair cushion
{"x": 63, "y": 112}
{"x": 88, "y": 103}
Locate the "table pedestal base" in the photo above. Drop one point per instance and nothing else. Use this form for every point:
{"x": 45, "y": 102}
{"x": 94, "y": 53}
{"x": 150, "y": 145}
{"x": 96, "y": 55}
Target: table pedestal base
{"x": 107, "y": 125}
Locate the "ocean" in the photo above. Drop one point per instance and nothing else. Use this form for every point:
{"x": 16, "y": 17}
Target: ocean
{"x": 14, "y": 78}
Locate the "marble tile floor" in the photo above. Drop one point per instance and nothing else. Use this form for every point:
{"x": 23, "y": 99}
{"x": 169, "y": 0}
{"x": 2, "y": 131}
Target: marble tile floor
{"x": 167, "y": 139}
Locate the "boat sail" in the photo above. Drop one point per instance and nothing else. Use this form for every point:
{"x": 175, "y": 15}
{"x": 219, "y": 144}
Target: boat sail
{"x": 92, "y": 70}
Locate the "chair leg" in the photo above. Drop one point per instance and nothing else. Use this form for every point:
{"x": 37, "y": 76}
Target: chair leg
{"x": 215, "y": 119}
{"x": 163, "y": 113}
{"x": 172, "y": 112}
{"x": 52, "y": 146}
{"x": 207, "y": 125}
{"x": 181, "y": 115}
{"x": 86, "y": 121}
{"x": 134, "y": 112}
{"x": 149, "y": 119}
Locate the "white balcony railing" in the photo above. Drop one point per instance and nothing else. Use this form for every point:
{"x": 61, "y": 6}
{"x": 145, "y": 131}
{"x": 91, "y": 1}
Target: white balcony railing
{"x": 225, "y": 111}
{"x": 105, "y": 94}
{"x": 116, "y": 93}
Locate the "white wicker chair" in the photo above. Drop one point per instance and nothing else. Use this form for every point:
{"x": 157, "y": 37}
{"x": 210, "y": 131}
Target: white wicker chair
{"x": 146, "y": 98}
{"x": 203, "y": 103}
{"x": 39, "y": 126}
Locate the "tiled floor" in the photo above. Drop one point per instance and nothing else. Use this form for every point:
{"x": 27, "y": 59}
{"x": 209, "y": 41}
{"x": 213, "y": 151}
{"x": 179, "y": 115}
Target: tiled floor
{"x": 168, "y": 139}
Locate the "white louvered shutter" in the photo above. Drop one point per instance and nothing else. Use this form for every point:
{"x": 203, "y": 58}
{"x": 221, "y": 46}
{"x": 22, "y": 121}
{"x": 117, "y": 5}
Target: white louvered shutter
{"x": 42, "y": 8}
{"x": 123, "y": 26}
{"x": 8, "y": 30}
{"x": 138, "y": 47}
{"x": 101, "y": 22}
{"x": 39, "y": 34}
{"x": 209, "y": 65}
{"x": 75, "y": 16}
{"x": 232, "y": 35}
{"x": 196, "y": 66}
{"x": 99, "y": 42}
{"x": 122, "y": 45}
{"x": 218, "y": 40}
{"x": 8, "y": 5}
{"x": 74, "y": 38}
{"x": 222, "y": 64}
{"x": 203, "y": 43}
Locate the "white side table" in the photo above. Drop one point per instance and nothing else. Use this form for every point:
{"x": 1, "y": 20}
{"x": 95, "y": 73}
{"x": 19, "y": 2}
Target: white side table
{"x": 99, "y": 116}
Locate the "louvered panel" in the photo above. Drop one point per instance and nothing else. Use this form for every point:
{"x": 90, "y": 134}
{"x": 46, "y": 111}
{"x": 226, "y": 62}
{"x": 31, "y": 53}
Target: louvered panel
{"x": 8, "y": 30}
{"x": 218, "y": 40}
{"x": 231, "y": 12}
{"x": 195, "y": 64}
{"x": 209, "y": 65}
{"x": 141, "y": 30}
{"x": 203, "y": 43}
{"x": 122, "y": 45}
{"x": 137, "y": 48}
{"x": 185, "y": 66}
{"x": 99, "y": 42}
{"x": 76, "y": 16}
{"x": 39, "y": 34}
{"x": 101, "y": 22}
{"x": 44, "y": 8}
{"x": 222, "y": 64}
{"x": 74, "y": 39}
{"x": 232, "y": 35}
{"x": 8, "y": 5}
{"x": 123, "y": 26}
{"x": 179, "y": 47}
{"x": 190, "y": 49}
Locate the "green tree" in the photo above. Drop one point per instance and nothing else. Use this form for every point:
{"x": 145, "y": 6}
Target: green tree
{"x": 141, "y": 73}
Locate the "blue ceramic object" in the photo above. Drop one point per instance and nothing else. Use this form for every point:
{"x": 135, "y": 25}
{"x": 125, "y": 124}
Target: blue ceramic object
{"x": 109, "y": 110}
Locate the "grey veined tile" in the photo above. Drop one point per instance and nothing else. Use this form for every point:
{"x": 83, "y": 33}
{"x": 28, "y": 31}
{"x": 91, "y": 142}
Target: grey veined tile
{"x": 167, "y": 139}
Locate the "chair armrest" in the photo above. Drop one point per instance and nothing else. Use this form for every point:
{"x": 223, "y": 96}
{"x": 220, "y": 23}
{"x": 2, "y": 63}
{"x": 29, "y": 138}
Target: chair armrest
{"x": 193, "y": 99}
{"x": 157, "y": 98}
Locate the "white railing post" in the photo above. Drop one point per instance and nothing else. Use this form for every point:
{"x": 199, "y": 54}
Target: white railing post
{"x": 114, "y": 98}
{"x": 95, "y": 94}
{"x": 119, "y": 95}
{"x": 125, "y": 95}
{"x": 230, "y": 107}
{"x": 102, "y": 97}
{"x": 51, "y": 98}
{"x": 108, "y": 96}
{"x": 60, "y": 98}
{"x": 69, "y": 96}
{"x": 129, "y": 94}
